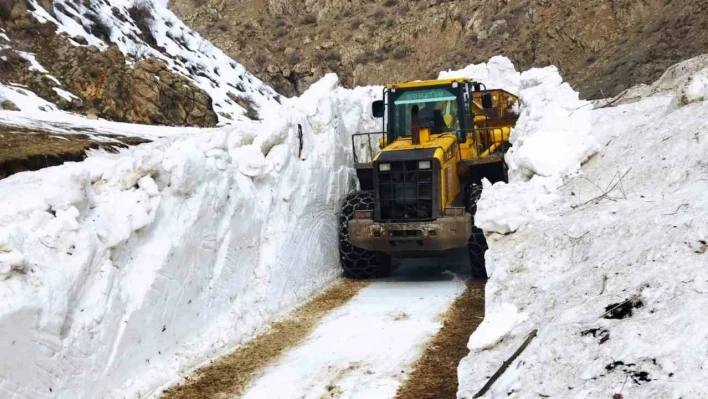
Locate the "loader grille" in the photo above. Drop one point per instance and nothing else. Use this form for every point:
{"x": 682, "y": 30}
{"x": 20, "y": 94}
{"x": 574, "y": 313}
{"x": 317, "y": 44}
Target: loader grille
{"x": 405, "y": 193}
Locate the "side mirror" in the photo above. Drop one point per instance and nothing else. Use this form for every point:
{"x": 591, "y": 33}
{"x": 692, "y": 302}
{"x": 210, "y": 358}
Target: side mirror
{"x": 487, "y": 100}
{"x": 461, "y": 136}
{"x": 382, "y": 143}
{"x": 377, "y": 108}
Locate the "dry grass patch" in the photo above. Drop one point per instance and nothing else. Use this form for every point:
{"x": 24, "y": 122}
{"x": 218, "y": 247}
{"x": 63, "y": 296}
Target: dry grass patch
{"x": 26, "y": 150}
{"x": 435, "y": 374}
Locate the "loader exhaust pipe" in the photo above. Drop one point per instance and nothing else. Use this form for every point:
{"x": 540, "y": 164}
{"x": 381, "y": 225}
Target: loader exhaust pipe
{"x": 415, "y": 126}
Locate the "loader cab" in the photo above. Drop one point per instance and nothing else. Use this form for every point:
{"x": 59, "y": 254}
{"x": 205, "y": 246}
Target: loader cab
{"x": 441, "y": 106}
{"x": 454, "y": 106}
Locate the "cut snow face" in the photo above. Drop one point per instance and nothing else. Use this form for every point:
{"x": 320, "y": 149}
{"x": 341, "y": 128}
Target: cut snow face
{"x": 551, "y": 139}
{"x": 498, "y": 73}
{"x": 552, "y": 136}
{"x": 614, "y": 265}
{"x": 136, "y": 266}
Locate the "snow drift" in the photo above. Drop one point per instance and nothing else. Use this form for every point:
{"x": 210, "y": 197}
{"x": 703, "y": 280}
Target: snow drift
{"x": 124, "y": 270}
{"x": 605, "y": 262}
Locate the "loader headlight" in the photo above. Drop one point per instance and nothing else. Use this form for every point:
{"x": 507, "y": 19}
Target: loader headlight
{"x": 385, "y": 167}
{"x": 423, "y": 164}
{"x": 454, "y": 211}
{"x": 363, "y": 215}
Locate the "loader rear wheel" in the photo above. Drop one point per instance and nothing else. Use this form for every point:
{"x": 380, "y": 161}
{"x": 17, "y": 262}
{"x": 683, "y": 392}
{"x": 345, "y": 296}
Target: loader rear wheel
{"x": 359, "y": 263}
{"x": 477, "y": 243}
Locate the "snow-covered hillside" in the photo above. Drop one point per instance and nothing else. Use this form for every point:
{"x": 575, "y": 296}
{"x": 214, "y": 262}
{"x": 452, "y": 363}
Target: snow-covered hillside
{"x": 124, "y": 270}
{"x": 608, "y": 263}
{"x": 141, "y": 29}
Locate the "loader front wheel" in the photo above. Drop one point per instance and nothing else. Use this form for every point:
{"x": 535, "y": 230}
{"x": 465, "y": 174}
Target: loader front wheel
{"x": 359, "y": 263}
{"x": 477, "y": 243}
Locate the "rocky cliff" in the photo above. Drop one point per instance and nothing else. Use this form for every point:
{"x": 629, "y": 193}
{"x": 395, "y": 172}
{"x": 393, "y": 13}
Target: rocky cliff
{"x": 600, "y": 46}
{"x": 77, "y": 77}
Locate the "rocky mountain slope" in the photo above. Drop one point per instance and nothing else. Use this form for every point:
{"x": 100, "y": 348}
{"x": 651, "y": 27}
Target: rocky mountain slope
{"x": 127, "y": 61}
{"x": 600, "y": 46}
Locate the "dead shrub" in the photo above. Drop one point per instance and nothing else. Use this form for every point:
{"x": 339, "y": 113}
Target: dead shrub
{"x": 333, "y": 55}
{"x": 309, "y": 19}
{"x": 400, "y": 52}
{"x": 11, "y": 61}
{"x": 247, "y": 104}
{"x": 6, "y": 7}
{"x": 295, "y": 58}
{"x": 368, "y": 56}
{"x": 390, "y": 3}
{"x": 119, "y": 16}
{"x": 281, "y": 31}
{"x": 142, "y": 17}
{"x": 99, "y": 27}
{"x": 260, "y": 60}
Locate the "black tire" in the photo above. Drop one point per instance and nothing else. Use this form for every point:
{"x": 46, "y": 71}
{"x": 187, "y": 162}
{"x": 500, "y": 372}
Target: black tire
{"x": 359, "y": 263}
{"x": 477, "y": 243}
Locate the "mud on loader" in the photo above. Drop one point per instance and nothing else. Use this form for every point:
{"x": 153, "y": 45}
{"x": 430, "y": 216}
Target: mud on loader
{"x": 419, "y": 194}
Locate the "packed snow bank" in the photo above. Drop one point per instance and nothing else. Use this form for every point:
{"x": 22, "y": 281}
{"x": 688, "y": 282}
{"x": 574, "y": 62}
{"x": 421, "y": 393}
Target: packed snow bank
{"x": 122, "y": 271}
{"x": 551, "y": 140}
{"x": 616, "y": 265}
{"x": 498, "y": 73}
{"x": 523, "y": 203}
{"x": 672, "y": 82}
{"x": 695, "y": 89}
{"x": 552, "y": 136}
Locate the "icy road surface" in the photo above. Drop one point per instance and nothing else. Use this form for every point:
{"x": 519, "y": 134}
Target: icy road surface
{"x": 366, "y": 348}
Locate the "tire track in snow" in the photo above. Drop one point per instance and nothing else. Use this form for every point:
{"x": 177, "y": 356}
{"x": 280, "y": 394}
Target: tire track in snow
{"x": 435, "y": 374}
{"x": 230, "y": 375}
{"x": 366, "y": 348}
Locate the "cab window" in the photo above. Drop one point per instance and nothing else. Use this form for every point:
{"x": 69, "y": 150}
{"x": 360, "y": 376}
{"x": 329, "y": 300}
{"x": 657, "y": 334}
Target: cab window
{"x": 437, "y": 109}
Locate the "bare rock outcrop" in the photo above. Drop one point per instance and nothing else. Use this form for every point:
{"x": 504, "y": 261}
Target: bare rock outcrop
{"x": 601, "y": 46}
{"x": 100, "y": 83}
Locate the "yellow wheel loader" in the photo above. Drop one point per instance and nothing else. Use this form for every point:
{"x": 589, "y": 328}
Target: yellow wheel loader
{"x": 418, "y": 194}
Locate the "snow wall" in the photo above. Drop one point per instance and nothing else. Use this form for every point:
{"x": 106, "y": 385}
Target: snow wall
{"x": 606, "y": 262}
{"x": 124, "y": 270}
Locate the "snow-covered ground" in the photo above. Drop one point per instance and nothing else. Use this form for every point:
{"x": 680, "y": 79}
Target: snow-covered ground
{"x": 121, "y": 271}
{"x": 68, "y": 123}
{"x": 366, "y": 348}
{"x": 608, "y": 263}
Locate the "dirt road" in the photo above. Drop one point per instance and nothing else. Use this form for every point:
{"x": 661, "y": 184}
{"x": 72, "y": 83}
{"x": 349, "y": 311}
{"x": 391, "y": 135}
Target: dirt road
{"x": 399, "y": 337}
{"x": 32, "y": 149}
